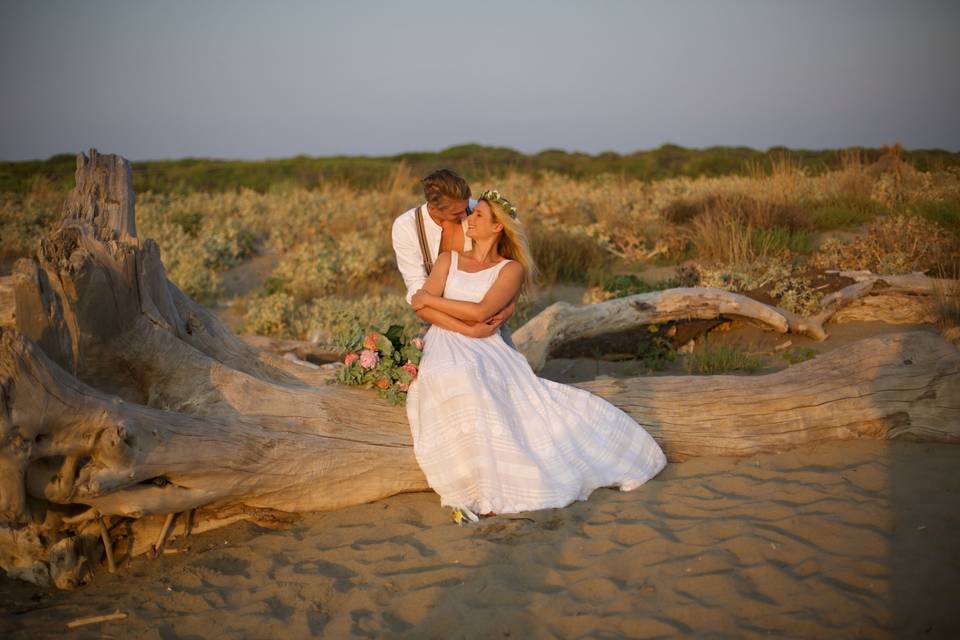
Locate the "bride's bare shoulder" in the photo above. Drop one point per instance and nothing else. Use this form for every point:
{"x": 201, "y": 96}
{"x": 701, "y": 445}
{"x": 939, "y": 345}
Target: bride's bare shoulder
{"x": 513, "y": 267}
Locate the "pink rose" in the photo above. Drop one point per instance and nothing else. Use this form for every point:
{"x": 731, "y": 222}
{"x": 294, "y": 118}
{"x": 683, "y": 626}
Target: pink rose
{"x": 370, "y": 340}
{"x": 418, "y": 343}
{"x": 350, "y": 358}
{"x": 383, "y": 383}
{"x": 403, "y": 386}
{"x": 411, "y": 369}
{"x": 369, "y": 359}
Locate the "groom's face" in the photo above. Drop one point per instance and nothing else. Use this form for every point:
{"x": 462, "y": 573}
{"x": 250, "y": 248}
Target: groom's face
{"x": 448, "y": 208}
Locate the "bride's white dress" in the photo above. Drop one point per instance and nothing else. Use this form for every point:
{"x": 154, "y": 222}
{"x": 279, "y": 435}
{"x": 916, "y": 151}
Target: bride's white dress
{"x": 492, "y": 436}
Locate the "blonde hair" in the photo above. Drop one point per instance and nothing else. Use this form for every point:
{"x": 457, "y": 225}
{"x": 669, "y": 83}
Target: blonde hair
{"x": 513, "y": 244}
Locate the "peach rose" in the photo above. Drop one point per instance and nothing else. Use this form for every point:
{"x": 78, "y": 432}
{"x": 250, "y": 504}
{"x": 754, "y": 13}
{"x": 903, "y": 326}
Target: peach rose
{"x": 370, "y": 340}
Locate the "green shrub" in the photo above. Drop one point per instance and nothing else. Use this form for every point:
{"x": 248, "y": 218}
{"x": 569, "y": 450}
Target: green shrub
{"x": 844, "y": 213}
{"x": 25, "y": 217}
{"x": 328, "y": 265}
{"x": 334, "y": 320}
{"x": 328, "y": 320}
{"x": 893, "y": 244}
{"x": 797, "y": 295}
{"x": 627, "y": 285}
{"x": 277, "y": 315}
{"x": 776, "y": 239}
{"x": 801, "y": 354}
{"x": 946, "y": 213}
{"x": 567, "y": 253}
{"x": 709, "y": 357}
{"x": 654, "y": 354}
{"x": 228, "y": 244}
{"x": 831, "y": 217}
{"x": 744, "y": 276}
{"x": 189, "y": 221}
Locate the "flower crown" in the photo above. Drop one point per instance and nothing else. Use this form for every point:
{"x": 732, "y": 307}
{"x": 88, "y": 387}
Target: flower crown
{"x": 491, "y": 195}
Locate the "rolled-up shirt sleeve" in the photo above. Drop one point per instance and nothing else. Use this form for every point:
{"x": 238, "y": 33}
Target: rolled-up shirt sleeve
{"x": 407, "y": 250}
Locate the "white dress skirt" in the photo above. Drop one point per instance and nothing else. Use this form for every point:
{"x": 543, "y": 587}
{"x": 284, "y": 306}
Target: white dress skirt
{"x": 491, "y": 436}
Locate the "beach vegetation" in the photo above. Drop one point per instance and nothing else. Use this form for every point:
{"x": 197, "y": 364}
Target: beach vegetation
{"x": 945, "y": 301}
{"x": 710, "y": 356}
{"x": 798, "y": 355}
{"x": 657, "y": 352}
{"x": 892, "y": 244}
{"x": 731, "y": 218}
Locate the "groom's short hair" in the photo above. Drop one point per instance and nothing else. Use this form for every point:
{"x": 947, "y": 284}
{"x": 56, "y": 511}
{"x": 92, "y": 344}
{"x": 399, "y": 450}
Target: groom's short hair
{"x": 444, "y": 182}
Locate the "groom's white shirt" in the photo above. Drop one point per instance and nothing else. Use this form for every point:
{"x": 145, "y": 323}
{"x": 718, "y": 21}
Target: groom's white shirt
{"x": 406, "y": 246}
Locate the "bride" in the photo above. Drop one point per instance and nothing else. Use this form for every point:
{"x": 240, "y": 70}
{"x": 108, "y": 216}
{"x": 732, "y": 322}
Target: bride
{"x": 489, "y": 434}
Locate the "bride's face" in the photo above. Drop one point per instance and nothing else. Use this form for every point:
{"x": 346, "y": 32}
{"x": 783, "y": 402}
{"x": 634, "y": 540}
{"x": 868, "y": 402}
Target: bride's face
{"x": 481, "y": 223}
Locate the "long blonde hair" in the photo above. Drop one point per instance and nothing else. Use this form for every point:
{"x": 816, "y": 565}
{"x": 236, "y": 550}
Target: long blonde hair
{"x": 513, "y": 243}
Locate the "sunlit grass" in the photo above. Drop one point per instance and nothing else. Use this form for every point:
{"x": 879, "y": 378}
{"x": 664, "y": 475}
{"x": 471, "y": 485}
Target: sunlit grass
{"x": 331, "y": 237}
{"x": 711, "y": 357}
{"x": 946, "y": 212}
{"x": 945, "y": 301}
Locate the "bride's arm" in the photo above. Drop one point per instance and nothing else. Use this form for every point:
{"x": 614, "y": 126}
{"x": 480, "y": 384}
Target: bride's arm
{"x": 445, "y": 321}
{"x": 501, "y": 294}
{"x": 434, "y": 286}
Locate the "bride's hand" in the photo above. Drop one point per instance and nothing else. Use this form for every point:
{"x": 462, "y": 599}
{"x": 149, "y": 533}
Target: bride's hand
{"x": 485, "y": 329}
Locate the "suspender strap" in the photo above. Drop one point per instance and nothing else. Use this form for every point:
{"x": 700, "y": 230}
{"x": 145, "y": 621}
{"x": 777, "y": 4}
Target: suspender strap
{"x": 424, "y": 247}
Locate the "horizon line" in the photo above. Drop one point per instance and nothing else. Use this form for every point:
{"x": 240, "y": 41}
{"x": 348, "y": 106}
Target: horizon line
{"x": 500, "y": 148}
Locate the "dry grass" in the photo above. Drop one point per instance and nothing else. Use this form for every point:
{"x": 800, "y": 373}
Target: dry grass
{"x": 24, "y": 219}
{"x": 945, "y": 301}
{"x": 333, "y": 242}
{"x": 721, "y": 236}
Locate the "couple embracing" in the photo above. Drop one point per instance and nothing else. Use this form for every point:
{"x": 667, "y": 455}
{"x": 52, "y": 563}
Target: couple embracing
{"x": 491, "y": 436}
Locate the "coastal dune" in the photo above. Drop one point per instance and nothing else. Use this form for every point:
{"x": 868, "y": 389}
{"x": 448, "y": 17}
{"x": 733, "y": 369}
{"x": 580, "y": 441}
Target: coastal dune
{"x": 846, "y": 539}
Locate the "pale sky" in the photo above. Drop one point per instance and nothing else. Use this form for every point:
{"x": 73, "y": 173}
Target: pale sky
{"x": 237, "y": 79}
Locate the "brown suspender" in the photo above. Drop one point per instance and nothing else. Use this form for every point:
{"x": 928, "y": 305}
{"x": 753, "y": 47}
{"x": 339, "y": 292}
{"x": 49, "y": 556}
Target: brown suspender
{"x": 424, "y": 247}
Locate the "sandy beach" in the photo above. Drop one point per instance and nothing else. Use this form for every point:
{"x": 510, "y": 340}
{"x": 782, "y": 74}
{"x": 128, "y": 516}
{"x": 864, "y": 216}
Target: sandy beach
{"x": 848, "y": 539}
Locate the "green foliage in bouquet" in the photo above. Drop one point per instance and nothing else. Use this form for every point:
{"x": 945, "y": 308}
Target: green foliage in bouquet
{"x": 385, "y": 361}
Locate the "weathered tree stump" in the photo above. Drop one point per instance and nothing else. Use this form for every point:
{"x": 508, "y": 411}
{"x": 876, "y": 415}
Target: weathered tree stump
{"x": 121, "y": 398}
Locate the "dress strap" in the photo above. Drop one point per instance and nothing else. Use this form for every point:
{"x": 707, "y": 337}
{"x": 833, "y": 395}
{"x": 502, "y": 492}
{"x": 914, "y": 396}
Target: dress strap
{"x": 454, "y": 259}
{"x": 500, "y": 265}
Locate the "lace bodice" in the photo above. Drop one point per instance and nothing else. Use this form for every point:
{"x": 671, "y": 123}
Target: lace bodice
{"x": 467, "y": 286}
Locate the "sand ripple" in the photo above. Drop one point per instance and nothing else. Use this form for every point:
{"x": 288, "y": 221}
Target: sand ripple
{"x": 855, "y": 539}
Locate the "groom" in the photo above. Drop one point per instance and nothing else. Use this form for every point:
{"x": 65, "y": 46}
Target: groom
{"x": 442, "y": 227}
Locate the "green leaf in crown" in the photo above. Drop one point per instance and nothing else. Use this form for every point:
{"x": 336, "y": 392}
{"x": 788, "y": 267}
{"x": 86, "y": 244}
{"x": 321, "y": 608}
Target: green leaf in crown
{"x": 492, "y": 195}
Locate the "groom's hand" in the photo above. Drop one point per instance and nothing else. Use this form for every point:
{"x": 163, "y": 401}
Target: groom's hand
{"x": 419, "y": 300}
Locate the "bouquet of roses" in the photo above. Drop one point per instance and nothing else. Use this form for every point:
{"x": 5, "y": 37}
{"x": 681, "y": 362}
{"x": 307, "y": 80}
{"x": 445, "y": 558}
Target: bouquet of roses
{"x": 386, "y": 362}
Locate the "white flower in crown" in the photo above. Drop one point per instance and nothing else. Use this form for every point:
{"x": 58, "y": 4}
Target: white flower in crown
{"x": 494, "y": 196}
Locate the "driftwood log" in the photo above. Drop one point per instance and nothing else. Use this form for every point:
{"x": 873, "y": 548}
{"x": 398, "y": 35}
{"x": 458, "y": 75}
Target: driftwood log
{"x": 896, "y": 299}
{"x": 122, "y": 401}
